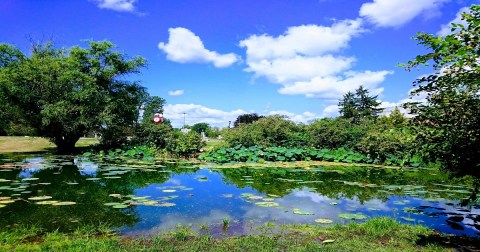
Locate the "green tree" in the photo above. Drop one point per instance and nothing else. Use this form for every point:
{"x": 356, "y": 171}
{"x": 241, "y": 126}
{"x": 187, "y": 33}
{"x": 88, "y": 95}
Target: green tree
{"x": 246, "y": 119}
{"x": 348, "y": 106}
{"x": 151, "y": 106}
{"x": 65, "y": 93}
{"x": 200, "y": 127}
{"x": 367, "y": 105}
{"x": 449, "y": 121}
{"x": 359, "y": 105}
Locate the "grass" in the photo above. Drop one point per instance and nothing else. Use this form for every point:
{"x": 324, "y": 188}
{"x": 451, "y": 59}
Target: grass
{"x": 379, "y": 234}
{"x": 35, "y": 144}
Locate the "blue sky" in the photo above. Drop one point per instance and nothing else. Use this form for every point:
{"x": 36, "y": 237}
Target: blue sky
{"x": 217, "y": 59}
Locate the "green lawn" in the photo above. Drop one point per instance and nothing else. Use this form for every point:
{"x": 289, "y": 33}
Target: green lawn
{"x": 379, "y": 234}
{"x": 10, "y": 144}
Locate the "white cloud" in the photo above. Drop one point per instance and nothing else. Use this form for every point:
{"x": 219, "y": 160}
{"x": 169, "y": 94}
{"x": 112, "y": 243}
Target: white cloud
{"x": 330, "y": 111}
{"x": 394, "y": 13}
{"x": 390, "y": 106}
{"x": 308, "y": 40}
{"x": 197, "y": 113}
{"x": 332, "y": 87}
{"x": 176, "y": 92}
{"x": 446, "y": 28}
{"x": 306, "y": 60}
{"x": 185, "y": 47}
{"x": 117, "y": 5}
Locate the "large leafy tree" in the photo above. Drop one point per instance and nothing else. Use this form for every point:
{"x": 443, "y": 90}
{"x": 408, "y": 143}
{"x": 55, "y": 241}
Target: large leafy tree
{"x": 247, "y": 119}
{"x": 65, "y": 93}
{"x": 449, "y": 121}
{"x": 359, "y": 105}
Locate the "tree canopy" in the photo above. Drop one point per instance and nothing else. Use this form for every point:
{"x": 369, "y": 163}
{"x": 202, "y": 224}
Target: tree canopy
{"x": 449, "y": 121}
{"x": 246, "y": 119}
{"x": 65, "y": 93}
{"x": 359, "y": 105}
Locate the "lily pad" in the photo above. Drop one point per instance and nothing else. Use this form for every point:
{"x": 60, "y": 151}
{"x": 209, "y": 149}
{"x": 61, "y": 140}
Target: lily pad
{"x": 46, "y": 202}
{"x": 357, "y": 216}
{"x": 64, "y": 203}
{"x": 111, "y": 204}
{"x": 120, "y": 206}
{"x": 323, "y": 221}
{"x": 30, "y": 179}
{"x": 301, "y": 212}
{"x": 40, "y": 197}
{"x": 267, "y": 204}
{"x": 167, "y": 204}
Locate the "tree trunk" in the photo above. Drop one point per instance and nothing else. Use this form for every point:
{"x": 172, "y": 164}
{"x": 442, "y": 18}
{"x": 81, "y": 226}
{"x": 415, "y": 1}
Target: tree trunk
{"x": 66, "y": 144}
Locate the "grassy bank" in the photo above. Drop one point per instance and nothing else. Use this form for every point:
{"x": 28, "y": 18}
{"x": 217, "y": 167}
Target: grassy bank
{"x": 380, "y": 234}
{"x": 34, "y": 144}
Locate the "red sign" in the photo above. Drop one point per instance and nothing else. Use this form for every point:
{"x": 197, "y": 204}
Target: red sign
{"x": 157, "y": 119}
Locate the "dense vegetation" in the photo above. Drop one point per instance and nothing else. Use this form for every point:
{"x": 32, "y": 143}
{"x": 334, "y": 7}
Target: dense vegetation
{"x": 379, "y": 234}
{"x": 63, "y": 94}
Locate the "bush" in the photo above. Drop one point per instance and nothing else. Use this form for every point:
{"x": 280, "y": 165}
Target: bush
{"x": 270, "y": 131}
{"x": 391, "y": 146}
{"x": 152, "y": 135}
{"x": 185, "y": 144}
{"x": 335, "y": 133}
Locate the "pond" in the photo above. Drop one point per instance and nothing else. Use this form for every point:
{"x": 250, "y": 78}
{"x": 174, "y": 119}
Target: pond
{"x": 143, "y": 198}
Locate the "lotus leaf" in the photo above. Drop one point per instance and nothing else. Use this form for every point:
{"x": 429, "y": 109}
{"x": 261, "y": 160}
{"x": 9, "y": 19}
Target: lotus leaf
{"x": 301, "y": 212}
{"x": 357, "y": 216}
{"x": 323, "y": 221}
{"x": 267, "y": 204}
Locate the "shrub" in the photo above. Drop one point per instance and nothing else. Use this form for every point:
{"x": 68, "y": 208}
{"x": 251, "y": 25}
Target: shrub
{"x": 335, "y": 133}
{"x": 152, "y": 135}
{"x": 185, "y": 144}
{"x": 270, "y": 131}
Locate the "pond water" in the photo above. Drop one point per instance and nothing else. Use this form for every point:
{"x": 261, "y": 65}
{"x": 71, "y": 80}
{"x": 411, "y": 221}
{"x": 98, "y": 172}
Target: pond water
{"x": 143, "y": 198}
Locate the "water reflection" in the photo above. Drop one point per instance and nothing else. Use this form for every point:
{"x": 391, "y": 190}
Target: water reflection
{"x": 146, "y": 198}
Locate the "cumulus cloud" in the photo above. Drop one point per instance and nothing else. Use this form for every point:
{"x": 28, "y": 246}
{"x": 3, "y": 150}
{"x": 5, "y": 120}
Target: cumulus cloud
{"x": 306, "y": 60}
{"x": 117, "y": 5}
{"x": 390, "y": 106}
{"x": 197, "y": 113}
{"x": 176, "y": 92}
{"x": 330, "y": 111}
{"x": 446, "y": 28}
{"x": 332, "y": 87}
{"x": 185, "y": 47}
{"x": 394, "y": 13}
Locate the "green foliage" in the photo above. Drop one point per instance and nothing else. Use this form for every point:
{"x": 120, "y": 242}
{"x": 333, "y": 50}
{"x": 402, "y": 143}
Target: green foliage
{"x": 152, "y": 135}
{"x": 335, "y": 133}
{"x": 185, "y": 144}
{"x": 151, "y": 106}
{"x": 200, "y": 127}
{"x": 246, "y": 119}
{"x": 65, "y": 93}
{"x": 261, "y": 154}
{"x": 448, "y": 123}
{"x": 391, "y": 235}
{"x": 359, "y": 105}
{"x": 273, "y": 130}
